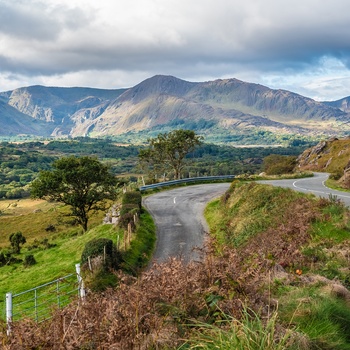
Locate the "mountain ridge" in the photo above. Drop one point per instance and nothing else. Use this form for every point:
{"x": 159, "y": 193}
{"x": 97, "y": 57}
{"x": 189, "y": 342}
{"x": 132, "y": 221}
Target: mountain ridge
{"x": 221, "y": 106}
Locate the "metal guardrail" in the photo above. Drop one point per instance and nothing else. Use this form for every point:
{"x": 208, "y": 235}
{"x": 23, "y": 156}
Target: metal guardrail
{"x": 191, "y": 179}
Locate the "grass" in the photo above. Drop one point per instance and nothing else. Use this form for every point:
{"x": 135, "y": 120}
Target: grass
{"x": 32, "y": 217}
{"x": 64, "y": 246}
{"x": 324, "y": 319}
{"x": 335, "y": 185}
{"x": 51, "y": 264}
{"x": 141, "y": 247}
{"x": 317, "y": 317}
{"x": 248, "y": 333}
{"x": 242, "y": 219}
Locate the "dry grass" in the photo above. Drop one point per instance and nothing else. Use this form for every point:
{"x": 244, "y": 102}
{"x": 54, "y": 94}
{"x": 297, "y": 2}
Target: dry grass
{"x": 32, "y": 217}
{"x": 162, "y": 308}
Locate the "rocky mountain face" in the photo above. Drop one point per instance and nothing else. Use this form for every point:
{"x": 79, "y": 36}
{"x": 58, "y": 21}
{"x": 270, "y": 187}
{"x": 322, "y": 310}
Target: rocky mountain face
{"x": 331, "y": 156}
{"x": 342, "y": 104}
{"x": 13, "y": 122}
{"x": 227, "y": 106}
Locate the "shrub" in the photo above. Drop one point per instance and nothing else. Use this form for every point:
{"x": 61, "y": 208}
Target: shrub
{"x": 104, "y": 249}
{"x": 131, "y": 205}
{"x": 29, "y": 260}
{"x": 103, "y": 258}
{"x": 126, "y": 219}
{"x": 7, "y": 259}
{"x": 16, "y": 240}
{"x": 127, "y": 208}
{"x": 336, "y": 175}
{"x": 133, "y": 197}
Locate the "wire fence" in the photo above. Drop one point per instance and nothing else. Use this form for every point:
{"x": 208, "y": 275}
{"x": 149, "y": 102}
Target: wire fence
{"x": 38, "y": 303}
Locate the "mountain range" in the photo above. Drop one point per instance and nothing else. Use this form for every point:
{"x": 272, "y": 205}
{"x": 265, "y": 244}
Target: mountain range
{"x": 222, "y": 110}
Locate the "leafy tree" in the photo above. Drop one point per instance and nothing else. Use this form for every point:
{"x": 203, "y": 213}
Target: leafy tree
{"x": 17, "y": 239}
{"x": 83, "y": 183}
{"x": 169, "y": 150}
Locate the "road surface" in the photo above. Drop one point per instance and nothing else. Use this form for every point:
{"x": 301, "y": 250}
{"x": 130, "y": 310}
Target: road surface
{"x": 178, "y": 215}
{"x": 315, "y": 185}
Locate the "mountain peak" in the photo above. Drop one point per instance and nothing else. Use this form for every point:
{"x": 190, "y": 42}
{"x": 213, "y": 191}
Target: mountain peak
{"x": 159, "y": 85}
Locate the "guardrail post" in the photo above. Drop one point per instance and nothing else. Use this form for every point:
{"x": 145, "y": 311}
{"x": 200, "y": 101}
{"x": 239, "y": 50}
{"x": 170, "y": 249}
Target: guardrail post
{"x": 8, "y": 312}
{"x": 81, "y": 288}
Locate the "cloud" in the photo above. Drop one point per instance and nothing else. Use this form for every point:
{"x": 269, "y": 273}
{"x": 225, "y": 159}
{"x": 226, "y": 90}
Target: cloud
{"x": 199, "y": 40}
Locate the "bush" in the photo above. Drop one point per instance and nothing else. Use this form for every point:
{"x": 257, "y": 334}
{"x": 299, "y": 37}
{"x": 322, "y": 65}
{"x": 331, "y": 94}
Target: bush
{"x": 29, "y": 260}
{"x": 133, "y": 197}
{"x": 126, "y": 219}
{"x": 128, "y": 208}
{"x": 105, "y": 250}
{"x": 7, "y": 259}
{"x": 336, "y": 175}
{"x": 17, "y": 239}
{"x": 131, "y": 205}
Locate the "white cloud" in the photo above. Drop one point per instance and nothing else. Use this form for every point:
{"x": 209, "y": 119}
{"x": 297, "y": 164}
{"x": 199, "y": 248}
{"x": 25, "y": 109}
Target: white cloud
{"x": 112, "y": 42}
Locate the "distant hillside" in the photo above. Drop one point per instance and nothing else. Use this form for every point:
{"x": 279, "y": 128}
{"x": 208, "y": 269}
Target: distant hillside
{"x": 14, "y": 122}
{"x": 226, "y": 110}
{"x": 343, "y": 104}
{"x": 60, "y": 108}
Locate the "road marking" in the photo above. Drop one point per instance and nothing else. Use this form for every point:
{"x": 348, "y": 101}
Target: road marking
{"x": 336, "y": 193}
{"x": 174, "y": 200}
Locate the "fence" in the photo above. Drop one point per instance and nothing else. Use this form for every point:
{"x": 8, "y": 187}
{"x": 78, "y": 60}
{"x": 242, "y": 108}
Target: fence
{"x": 187, "y": 180}
{"x": 39, "y": 302}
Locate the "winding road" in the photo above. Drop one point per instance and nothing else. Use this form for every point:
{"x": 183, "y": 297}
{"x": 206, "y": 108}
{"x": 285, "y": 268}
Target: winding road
{"x": 315, "y": 185}
{"x": 178, "y": 213}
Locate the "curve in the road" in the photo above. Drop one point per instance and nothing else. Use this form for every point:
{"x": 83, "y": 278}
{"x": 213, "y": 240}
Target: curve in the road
{"x": 315, "y": 185}
{"x": 178, "y": 215}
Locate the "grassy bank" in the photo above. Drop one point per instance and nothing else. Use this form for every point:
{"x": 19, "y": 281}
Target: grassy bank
{"x": 56, "y": 253}
{"x": 293, "y": 251}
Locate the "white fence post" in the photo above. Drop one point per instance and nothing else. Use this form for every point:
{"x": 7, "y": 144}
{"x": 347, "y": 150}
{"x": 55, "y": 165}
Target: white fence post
{"x": 8, "y": 312}
{"x": 81, "y": 288}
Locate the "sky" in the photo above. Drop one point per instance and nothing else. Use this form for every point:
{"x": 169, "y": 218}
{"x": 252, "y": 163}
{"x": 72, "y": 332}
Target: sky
{"x": 298, "y": 45}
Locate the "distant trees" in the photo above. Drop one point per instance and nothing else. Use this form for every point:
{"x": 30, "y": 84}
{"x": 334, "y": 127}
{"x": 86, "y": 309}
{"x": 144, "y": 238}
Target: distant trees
{"x": 168, "y": 151}
{"x": 84, "y": 184}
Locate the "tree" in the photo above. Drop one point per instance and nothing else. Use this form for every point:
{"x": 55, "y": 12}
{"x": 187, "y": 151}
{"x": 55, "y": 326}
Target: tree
{"x": 83, "y": 183}
{"x": 169, "y": 150}
{"x": 17, "y": 239}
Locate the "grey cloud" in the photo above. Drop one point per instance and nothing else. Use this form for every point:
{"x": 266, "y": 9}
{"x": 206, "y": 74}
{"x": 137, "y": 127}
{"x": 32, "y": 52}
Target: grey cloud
{"x": 185, "y": 38}
{"x": 35, "y": 21}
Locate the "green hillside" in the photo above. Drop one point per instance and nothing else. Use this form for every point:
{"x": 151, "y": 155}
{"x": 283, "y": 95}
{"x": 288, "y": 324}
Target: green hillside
{"x": 276, "y": 276}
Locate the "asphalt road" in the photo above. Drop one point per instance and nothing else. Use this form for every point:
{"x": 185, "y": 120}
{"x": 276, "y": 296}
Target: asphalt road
{"x": 315, "y": 185}
{"x": 178, "y": 215}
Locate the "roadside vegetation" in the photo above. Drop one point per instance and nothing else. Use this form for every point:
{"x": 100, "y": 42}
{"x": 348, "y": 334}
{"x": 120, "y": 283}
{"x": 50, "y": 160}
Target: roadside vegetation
{"x": 276, "y": 276}
{"x": 56, "y": 244}
{"x": 275, "y": 273}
